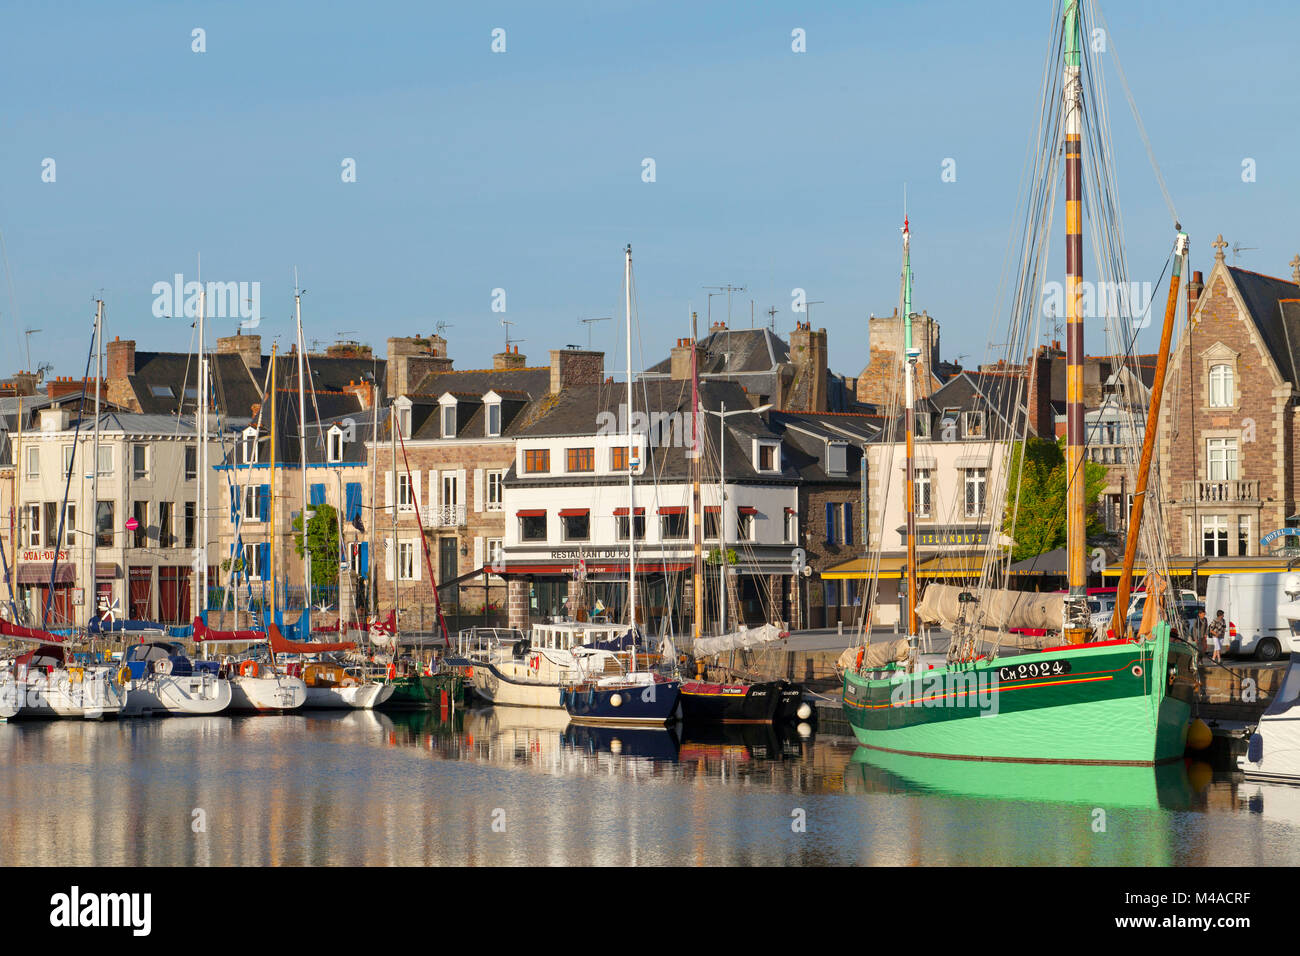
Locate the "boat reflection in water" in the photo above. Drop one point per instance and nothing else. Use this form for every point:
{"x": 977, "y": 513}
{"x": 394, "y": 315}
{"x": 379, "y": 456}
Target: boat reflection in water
{"x": 653, "y": 743}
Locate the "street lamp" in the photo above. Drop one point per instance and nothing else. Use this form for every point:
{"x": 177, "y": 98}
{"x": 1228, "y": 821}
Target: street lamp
{"x": 723, "y": 415}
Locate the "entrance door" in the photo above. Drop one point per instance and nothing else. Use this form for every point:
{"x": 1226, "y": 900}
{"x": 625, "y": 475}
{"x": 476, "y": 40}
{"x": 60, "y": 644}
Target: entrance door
{"x": 447, "y": 548}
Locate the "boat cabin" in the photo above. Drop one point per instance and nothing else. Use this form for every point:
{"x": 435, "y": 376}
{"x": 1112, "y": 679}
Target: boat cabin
{"x": 572, "y": 634}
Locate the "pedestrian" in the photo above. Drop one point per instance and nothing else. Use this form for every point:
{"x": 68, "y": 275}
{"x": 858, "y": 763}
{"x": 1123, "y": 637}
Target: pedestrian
{"x": 1216, "y": 632}
{"x": 1201, "y": 631}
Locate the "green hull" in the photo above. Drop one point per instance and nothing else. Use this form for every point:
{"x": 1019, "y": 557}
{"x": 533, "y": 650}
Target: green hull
{"x": 1125, "y": 704}
{"x": 421, "y": 692}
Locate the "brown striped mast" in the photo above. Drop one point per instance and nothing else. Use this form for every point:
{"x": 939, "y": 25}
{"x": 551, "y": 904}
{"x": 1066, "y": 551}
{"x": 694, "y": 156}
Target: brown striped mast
{"x": 1076, "y": 600}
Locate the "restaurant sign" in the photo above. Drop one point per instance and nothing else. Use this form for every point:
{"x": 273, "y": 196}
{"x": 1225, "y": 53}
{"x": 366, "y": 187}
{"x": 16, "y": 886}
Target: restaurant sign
{"x": 47, "y": 555}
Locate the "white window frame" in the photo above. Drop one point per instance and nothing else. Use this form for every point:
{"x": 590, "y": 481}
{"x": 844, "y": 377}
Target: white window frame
{"x": 447, "y": 416}
{"x": 1222, "y": 456}
{"x": 1226, "y": 386}
{"x": 139, "y": 472}
{"x": 252, "y": 498}
{"x": 406, "y": 560}
{"x": 495, "y": 485}
{"x": 34, "y": 525}
{"x": 69, "y": 525}
{"x": 976, "y": 478}
{"x": 792, "y": 527}
{"x": 759, "y": 446}
{"x": 972, "y": 424}
{"x": 105, "y": 455}
{"x": 33, "y": 461}
{"x": 1216, "y": 525}
{"x": 334, "y": 445}
{"x": 250, "y": 445}
{"x": 834, "y": 448}
{"x": 67, "y": 461}
{"x": 923, "y": 485}
{"x": 491, "y": 407}
{"x": 405, "y": 500}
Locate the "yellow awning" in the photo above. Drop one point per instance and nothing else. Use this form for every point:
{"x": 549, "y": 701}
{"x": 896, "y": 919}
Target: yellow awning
{"x": 895, "y": 566}
{"x": 860, "y": 568}
{"x": 1185, "y": 566}
{"x": 951, "y": 566}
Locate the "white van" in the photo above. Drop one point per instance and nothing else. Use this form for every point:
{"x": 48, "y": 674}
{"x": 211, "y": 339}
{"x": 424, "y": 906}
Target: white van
{"x": 1250, "y": 603}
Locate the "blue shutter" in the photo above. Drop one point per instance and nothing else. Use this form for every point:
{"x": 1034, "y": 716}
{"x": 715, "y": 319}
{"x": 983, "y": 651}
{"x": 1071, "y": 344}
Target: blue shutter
{"x": 354, "y": 500}
{"x": 263, "y": 502}
{"x": 318, "y": 494}
{"x": 363, "y": 555}
{"x": 234, "y": 504}
{"x": 848, "y": 523}
{"x": 263, "y": 559}
{"x": 830, "y": 523}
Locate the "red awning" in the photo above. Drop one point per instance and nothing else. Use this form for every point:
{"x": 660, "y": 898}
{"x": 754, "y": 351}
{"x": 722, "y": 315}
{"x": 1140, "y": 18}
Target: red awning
{"x": 746, "y": 510}
{"x": 674, "y": 510}
{"x": 38, "y": 572}
{"x": 531, "y": 513}
{"x": 622, "y": 512}
{"x": 566, "y": 570}
{"x": 574, "y": 512}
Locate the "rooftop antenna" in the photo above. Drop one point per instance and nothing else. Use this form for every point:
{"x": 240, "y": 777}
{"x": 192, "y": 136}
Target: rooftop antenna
{"x": 443, "y": 327}
{"x": 1238, "y": 248}
{"x": 589, "y": 322}
{"x": 771, "y": 318}
{"x": 728, "y": 289}
{"x": 344, "y": 333}
{"x": 809, "y": 303}
{"x": 29, "y": 333}
{"x": 509, "y": 341}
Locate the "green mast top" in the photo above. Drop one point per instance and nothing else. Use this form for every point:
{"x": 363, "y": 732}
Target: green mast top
{"x": 911, "y": 353}
{"x": 1072, "y": 33}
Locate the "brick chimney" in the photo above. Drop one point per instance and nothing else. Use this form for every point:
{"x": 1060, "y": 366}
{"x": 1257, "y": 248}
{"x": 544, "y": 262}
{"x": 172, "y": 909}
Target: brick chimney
{"x": 364, "y": 391}
{"x": 508, "y": 359}
{"x": 59, "y": 387}
{"x": 121, "y": 358}
{"x": 1039, "y": 393}
{"x": 1194, "y": 290}
{"x": 247, "y": 347}
{"x": 24, "y": 383}
{"x": 570, "y": 367}
{"x": 681, "y": 359}
{"x": 808, "y": 355}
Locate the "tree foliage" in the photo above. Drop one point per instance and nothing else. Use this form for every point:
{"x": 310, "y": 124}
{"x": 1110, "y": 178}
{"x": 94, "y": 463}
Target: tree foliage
{"x": 1037, "y": 474}
{"x": 323, "y": 542}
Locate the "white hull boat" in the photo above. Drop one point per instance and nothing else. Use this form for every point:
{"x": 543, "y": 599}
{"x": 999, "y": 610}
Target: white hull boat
{"x": 1274, "y": 749}
{"x": 73, "y": 693}
{"x": 276, "y": 693}
{"x": 359, "y": 697}
{"x": 197, "y": 695}
{"x": 11, "y": 697}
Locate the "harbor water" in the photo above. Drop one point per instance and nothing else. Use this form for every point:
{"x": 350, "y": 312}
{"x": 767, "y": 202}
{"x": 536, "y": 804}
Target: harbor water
{"x": 516, "y": 786}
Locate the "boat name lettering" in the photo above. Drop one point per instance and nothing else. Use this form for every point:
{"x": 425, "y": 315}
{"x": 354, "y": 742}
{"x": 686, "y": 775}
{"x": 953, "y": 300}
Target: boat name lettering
{"x": 1034, "y": 669}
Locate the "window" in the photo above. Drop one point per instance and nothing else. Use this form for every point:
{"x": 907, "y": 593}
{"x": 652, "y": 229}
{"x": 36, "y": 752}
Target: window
{"x": 1243, "y": 535}
{"x": 834, "y": 532}
{"x": 532, "y": 527}
{"x": 975, "y": 492}
{"x": 745, "y": 525}
{"x": 257, "y": 502}
{"x": 837, "y": 458}
{"x": 1221, "y": 459}
{"x": 189, "y": 524}
{"x": 496, "y": 554}
{"x": 406, "y": 560}
{"x": 712, "y": 519}
{"x": 948, "y": 424}
{"x": 1214, "y": 536}
{"x": 334, "y": 444}
{"x": 766, "y": 458}
{"x": 448, "y": 421}
{"x": 673, "y": 525}
{"x": 165, "y": 525}
{"x": 1221, "y": 386}
{"x": 618, "y": 458}
{"x": 70, "y": 525}
{"x": 105, "y": 460}
{"x": 191, "y": 462}
{"x": 921, "y": 488}
{"x": 67, "y": 461}
{"x": 33, "y": 461}
{"x": 33, "y": 526}
{"x": 494, "y": 490}
{"x": 161, "y": 391}
{"x": 450, "y": 491}
{"x": 621, "y": 521}
{"x": 104, "y": 524}
{"x": 922, "y": 420}
{"x": 139, "y": 461}
{"x": 581, "y": 459}
{"x": 576, "y": 527}
{"x": 493, "y": 420}
{"x": 51, "y": 524}
{"x": 537, "y": 460}
{"x": 973, "y": 424}
{"x": 256, "y": 564}
{"x": 250, "y": 446}
{"x": 141, "y": 515}
{"x": 791, "y": 526}
{"x": 404, "y": 492}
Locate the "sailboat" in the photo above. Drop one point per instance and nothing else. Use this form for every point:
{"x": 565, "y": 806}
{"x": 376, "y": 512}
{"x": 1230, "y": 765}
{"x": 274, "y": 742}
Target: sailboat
{"x": 1117, "y": 702}
{"x": 1273, "y": 752}
{"x": 163, "y": 680}
{"x": 633, "y": 696}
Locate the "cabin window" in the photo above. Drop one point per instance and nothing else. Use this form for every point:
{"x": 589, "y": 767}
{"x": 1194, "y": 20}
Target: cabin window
{"x": 1221, "y": 386}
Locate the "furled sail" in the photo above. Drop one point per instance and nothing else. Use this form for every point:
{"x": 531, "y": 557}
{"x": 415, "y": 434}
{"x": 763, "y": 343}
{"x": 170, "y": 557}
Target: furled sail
{"x": 998, "y": 609}
{"x": 742, "y": 639}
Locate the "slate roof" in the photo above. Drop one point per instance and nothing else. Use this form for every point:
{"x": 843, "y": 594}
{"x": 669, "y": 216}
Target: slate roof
{"x": 1264, "y": 297}
{"x": 752, "y": 357}
{"x": 517, "y": 388}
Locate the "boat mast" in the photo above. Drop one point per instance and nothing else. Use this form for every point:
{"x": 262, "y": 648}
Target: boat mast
{"x": 1118, "y": 625}
{"x": 272, "y": 485}
{"x": 94, "y": 467}
{"x": 631, "y": 485}
{"x": 393, "y": 420}
{"x": 372, "y": 605}
{"x": 722, "y": 518}
{"x": 697, "y": 560}
{"x": 201, "y": 458}
{"x": 1076, "y": 601}
{"x": 302, "y": 447}
{"x": 909, "y": 378}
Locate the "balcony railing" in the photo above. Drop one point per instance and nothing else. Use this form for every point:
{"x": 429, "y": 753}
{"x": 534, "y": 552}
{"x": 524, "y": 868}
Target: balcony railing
{"x": 1110, "y": 454}
{"x": 448, "y": 516}
{"x": 1235, "y": 490}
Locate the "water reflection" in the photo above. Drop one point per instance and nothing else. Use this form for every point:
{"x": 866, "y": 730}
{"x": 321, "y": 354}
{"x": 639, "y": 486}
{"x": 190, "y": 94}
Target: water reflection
{"x": 366, "y": 788}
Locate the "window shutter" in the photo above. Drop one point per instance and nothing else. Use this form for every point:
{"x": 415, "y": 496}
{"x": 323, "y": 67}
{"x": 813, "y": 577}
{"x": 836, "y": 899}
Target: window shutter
{"x": 363, "y": 558}
{"x": 462, "y": 483}
{"x": 478, "y": 492}
{"x": 317, "y": 494}
{"x": 417, "y": 559}
{"x": 435, "y": 489}
{"x": 415, "y": 489}
{"x": 263, "y": 502}
{"x": 353, "y": 491}
{"x": 263, "y": 559}
{"x": 478, "y": 551}
{"x": 848, "y": 524}
{"x": 830, "y": 523}
{"x": 390, "y": 557}
{"x": 388, "y": 491}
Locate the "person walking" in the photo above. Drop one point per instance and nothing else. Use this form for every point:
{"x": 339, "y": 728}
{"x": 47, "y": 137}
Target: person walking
{"x": 1216, "y": 632}
{"x": 1201, "y": 631}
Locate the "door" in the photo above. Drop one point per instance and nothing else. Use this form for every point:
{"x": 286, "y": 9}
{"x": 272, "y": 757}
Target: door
{"x": 446, "y": 559}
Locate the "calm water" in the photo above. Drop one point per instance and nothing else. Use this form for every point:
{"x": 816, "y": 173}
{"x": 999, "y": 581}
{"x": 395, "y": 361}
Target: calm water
{"x": 362, "y": 788}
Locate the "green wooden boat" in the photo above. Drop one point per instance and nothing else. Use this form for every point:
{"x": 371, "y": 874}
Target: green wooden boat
{"x": 424, "y": 691}
{"x": 1118, "y": 703}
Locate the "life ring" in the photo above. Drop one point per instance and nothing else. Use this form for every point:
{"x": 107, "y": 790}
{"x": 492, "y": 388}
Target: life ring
{"x": 75, "y": 674}
{"x": 248, "y": 669}
{"x": 123, "y": 675}
{"x": 162, "y": 668}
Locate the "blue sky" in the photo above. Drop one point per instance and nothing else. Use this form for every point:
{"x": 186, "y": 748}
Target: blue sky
{"x": 523, "y": 170}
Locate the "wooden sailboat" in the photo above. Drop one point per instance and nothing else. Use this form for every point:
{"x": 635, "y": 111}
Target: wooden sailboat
{"x": 1120, "y": 702}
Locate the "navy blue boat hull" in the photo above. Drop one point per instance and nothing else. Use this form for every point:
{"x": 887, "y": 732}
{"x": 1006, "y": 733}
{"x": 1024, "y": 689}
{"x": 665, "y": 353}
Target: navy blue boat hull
{"x": 628, "y": 704}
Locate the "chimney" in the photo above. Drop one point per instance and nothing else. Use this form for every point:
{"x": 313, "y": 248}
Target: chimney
{"x": 808, "y": 354}
{"x": 121, "y": 358}
{"x": 247, "y": 347}
{"x": 24, "y": 383}
{"x": 1041, "y": 417}
{"x": 571, "y": 367}
{"x": 1194, "y": 290}
{"x": 364, "y": 391}
{"x": 681, "y": 359}
{"x": 411, "y": 359}
{"x": 508, "y": 359}
{"x": 59, "y": 387}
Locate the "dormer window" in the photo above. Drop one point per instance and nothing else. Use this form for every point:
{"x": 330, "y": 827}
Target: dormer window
{"x": 492, "y": 414}
{"x": 837, "y": 458}
{"x": 334, "y": 444}
{"x": 973, "y": 424}
{"x": 948, "y": 424}
{"x": 922, "y": 420}
{"x": 767, "y": 456}
{"x": 402, "y": 409}
{"x": 250, "y": 445}
{"x": 447, "y": 417}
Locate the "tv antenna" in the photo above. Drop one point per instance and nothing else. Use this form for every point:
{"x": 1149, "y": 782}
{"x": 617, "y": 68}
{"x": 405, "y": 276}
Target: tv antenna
{"x": 728, "y": 289}
{"x": 29, "y": 333}
{"x": 509, "y": 341}
{"x": 771, "y": 318}
{"x": 1238, "y": 248}
{"x": 443, "y": 327}
{"x": 589, "y": 322}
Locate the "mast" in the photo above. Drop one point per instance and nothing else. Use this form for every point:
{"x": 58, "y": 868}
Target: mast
{"x": 909, "y": 378}
{"x": 302, "y": 447}
{"x": 393, "y": 419}
{"x": 697, "y": 559}
{"x": 201, "y": 458}
{"x": 272, "y": 485}
{"x": 1118, "y": 625}
{"x": 94, "y": 466}
{"x": 631, "y": 485}
{"x": 1076, "y": 601}
{"x": 372, "y": 605}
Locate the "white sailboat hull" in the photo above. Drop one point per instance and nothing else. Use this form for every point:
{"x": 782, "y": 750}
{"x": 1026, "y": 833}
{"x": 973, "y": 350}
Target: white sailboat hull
{"x": 92, "y": 697}
{"x": 267, "y": 693}
{"x": 360, "y": 697}
{"x": 182, "y": 696}
{"x": 11, "y": 697}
